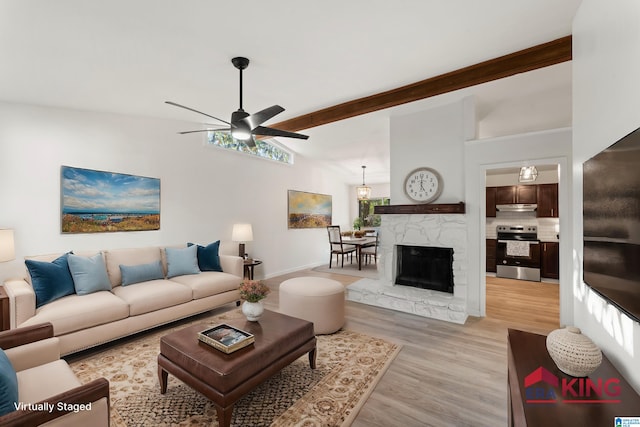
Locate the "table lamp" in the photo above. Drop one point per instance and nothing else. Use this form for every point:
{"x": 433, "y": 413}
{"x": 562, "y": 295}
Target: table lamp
{"x": 7, "y": 248}
{"x": 242, "y": 233}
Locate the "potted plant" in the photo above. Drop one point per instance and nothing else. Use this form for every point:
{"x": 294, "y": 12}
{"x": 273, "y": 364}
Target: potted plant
{"x": 253, "y": 292}
{"x": 358, "y": 223}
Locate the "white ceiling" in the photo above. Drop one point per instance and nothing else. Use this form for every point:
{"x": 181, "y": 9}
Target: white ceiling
{"x": 129, "y": 56}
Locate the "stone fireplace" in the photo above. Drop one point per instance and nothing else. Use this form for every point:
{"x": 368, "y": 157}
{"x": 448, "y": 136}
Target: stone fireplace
{"x": 433, "y": 230}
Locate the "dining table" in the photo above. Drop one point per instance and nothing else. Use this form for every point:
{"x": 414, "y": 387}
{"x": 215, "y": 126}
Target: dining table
{"x": 359, "y": 243}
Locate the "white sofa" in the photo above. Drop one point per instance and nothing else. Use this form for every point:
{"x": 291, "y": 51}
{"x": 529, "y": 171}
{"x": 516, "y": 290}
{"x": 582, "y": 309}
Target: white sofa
{"x": 84, "y": 321}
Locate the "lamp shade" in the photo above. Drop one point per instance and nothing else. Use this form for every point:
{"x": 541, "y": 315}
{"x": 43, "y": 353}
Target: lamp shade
{"x": 242, "y": 233}
{"x": 7, "y": 248}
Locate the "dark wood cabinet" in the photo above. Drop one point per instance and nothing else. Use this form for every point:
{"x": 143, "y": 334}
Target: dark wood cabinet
{"x": 491, "y": 255}
{"x": 550, "y": 260}
{"x": 491, "y": 201}
{"x": 526, "y": 194}
{"x": 547, "y": 201}
{"x": 506, "y": 195}
{"x": 516, "y": 194}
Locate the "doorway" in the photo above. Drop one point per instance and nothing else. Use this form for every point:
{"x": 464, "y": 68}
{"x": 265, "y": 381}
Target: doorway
{"x": 524, "y": 205}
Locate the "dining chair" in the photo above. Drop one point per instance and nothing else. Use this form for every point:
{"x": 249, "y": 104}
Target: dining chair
{"x": 370, "y": 250}
{"x": 337, "y": 247}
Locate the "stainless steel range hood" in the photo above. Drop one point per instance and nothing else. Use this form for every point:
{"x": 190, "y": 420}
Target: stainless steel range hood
{"x": 517, "y": 207}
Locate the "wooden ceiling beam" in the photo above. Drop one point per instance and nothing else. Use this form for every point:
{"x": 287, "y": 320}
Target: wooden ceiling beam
{"x": 533, "y": 58}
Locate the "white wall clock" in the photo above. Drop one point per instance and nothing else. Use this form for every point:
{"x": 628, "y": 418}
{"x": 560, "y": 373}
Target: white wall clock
{"x": 423, "y": 185}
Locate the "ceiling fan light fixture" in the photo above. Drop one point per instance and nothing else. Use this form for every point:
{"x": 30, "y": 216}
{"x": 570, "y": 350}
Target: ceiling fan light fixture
{"x": 241, "y": 134}
{"x": 528, "y": 174}
{"x": 363, "y": 192}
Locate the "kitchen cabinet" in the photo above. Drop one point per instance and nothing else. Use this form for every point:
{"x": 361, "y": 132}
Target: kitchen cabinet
{"x": 547, "y": 201}
{"x": 491, "y": 255}
{"x": 550, "y": 260}
{"x": 506, "y": 195}
{"x": 526, "y": 194}
{"x": 491, "y": 201}
{"x": 516, "y": 194}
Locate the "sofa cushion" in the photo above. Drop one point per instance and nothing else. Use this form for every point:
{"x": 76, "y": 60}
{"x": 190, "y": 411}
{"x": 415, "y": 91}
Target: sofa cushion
{"x": 8, "y": 385}
{"x": 182, "y": 261}
{"x": 141, "y": 273}
{"x": 89, "y": 274}
{"x": 153, "y": 295}
{"x": 209, "y": 283}
{"x": 133, "y": 256}
{"x": 50, "y": 280}
{"x": 75, "y": 312}
{"x": 208, "y": 256}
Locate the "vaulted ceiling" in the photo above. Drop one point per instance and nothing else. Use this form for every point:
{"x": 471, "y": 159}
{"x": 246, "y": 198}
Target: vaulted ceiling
{"x": 128, "y": 57}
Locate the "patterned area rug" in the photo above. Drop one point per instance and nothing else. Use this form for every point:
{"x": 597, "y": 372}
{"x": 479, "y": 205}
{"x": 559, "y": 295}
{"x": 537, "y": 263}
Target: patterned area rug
{"x": 349, "y": 365}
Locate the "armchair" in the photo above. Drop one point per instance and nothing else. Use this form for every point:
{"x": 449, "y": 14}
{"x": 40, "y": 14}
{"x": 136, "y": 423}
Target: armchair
{"x": 48, "y": 390}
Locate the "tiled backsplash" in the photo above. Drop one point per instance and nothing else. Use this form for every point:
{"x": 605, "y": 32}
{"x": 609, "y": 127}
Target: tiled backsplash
{"x": 547, "y": 227}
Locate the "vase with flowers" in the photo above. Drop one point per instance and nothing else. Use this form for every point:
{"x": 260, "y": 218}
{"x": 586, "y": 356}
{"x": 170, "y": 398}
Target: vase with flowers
{"x": 253, "y": 292}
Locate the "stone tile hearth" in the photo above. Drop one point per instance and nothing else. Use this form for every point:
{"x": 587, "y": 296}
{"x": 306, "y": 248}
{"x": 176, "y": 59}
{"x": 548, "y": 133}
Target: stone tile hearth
{"x": 446, "y": 230}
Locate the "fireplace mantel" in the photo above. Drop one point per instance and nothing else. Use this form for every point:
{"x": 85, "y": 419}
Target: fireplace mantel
{"x": 428, "y": 208}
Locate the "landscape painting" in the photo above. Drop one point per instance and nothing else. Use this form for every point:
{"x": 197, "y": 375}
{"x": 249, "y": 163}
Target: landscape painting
{"x": 95, "y": 201}
{"x": 309, "y": 210}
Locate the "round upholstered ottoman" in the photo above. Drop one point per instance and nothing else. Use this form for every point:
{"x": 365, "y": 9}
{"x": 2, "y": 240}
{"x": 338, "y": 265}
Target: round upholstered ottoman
{"x": 315, "y": 299}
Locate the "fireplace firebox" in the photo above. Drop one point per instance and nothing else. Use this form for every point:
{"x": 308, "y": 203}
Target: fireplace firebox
{"x": 425, "y": 267}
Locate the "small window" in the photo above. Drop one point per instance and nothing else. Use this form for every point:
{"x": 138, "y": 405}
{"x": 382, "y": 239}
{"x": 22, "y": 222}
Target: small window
{"x": 263, "y": 148}
{"x": 365, "y": 211}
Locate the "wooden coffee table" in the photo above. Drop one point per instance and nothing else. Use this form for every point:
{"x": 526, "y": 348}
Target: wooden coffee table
{"x": 225, "y": 378}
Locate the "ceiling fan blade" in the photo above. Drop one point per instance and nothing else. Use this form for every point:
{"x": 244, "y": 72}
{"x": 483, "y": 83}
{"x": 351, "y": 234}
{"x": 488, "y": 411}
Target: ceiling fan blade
{"x": 205, "y": 130}
{"x": 266, "y": 131}
{"x": 256, "y": 119}
{"x": 196, "y": 111}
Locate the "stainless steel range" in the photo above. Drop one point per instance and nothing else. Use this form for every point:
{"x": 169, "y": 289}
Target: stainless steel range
{"x": 518, "y": 252}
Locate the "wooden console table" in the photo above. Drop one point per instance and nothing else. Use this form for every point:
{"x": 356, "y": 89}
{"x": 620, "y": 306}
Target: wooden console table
{"x": 527, "y": 353}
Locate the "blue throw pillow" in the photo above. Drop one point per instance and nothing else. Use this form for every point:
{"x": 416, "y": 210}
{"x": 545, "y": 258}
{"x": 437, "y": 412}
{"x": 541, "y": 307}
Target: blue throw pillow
{"x": 50, "y": 280}
{"x": 8, "y": 385}
{"x": 182, "y": 261}
{"x": 141, "y": 273}
{"x": 89, "y": 274}
{"x": 208, "y": 256}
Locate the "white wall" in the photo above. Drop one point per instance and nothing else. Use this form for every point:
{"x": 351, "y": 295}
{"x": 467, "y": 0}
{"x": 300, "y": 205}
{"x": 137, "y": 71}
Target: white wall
{"x": 432, "y": 138}
{"x": 204, "y": 190}
{"x": 606, "y": 101}
{"x": 499, "y": 180}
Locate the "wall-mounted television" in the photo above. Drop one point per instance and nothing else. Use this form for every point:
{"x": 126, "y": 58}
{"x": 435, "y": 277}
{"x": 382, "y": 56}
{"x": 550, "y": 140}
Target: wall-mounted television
{"x": 611, "y": 214}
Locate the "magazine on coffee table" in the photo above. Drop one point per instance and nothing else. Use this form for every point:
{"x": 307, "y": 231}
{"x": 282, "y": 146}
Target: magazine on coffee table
{"x": 226, "y": 338}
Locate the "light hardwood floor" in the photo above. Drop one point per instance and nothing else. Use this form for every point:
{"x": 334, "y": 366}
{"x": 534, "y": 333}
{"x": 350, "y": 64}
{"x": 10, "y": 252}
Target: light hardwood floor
{"x": 446, "y": 374}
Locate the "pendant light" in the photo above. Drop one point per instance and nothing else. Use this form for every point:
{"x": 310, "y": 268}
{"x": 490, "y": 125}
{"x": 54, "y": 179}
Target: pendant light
{"x": 528, "y": 174}
{"x": 363, "y": 192}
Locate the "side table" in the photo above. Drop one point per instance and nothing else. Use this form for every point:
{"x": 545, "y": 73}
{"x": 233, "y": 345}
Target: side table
{"x": 4, "y": 310}
{"x": 249, "y": 264}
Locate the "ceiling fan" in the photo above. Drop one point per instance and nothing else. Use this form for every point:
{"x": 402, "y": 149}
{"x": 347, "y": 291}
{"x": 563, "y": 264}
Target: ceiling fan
{"x": 244, "y": 125}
